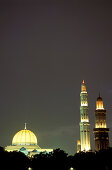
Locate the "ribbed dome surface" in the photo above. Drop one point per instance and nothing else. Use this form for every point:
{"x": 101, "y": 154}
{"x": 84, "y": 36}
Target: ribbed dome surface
{"x": 24, "y": 137}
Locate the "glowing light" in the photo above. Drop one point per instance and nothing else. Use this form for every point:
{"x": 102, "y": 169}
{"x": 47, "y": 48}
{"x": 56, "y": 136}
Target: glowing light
{"x": 100, "y": 125}
{"x": 24, "y": 137}
{"x": 84, "y": 120}
{"x": 83, "y": 88}
{"x": 29, "y": 168}
{"x": 99, "y": 105}
{"x": 87, "y": 148}
{"x": 78, "y": 146}
{"x": 78, "y": 142}
{"x": 83, "y": 91}
{"x": 71, "y": 168}
{"x": 84, "y": 104}
{"x": 25, "y": 126}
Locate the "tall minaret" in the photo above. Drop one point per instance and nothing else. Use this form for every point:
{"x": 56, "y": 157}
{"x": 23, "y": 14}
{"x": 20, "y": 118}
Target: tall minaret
{"x": 84, "y": 124}
{"x": 101, "y": 131}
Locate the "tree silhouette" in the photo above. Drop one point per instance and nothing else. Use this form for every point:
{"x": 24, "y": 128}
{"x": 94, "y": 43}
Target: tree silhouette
{"x": 52, "y": 161}
{"x": 57, "y": 160}
{"x": 13, "y": 160}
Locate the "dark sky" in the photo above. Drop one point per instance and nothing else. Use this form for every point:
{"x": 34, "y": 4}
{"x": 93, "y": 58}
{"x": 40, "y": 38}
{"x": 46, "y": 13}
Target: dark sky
{"x": 47, "y": 47}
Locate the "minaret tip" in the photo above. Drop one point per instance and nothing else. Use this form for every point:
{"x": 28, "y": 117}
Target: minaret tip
{"x": 83, "y": 82}
{"x": 83, "y": 86}
{"x": 99, "y": 97}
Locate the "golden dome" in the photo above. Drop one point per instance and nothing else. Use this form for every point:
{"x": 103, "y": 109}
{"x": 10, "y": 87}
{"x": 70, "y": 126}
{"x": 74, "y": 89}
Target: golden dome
{"x": 99, "y": 103}
{"x": 24, "y": 137}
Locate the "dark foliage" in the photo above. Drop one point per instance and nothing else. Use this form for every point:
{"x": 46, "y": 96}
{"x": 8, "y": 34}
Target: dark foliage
{"x": 101, "y": 160}
{"x": 57, "y": 160}
{"x": 13, "y": 160}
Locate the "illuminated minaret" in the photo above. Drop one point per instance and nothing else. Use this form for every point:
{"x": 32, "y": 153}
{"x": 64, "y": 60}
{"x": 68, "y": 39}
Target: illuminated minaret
{"x": 84, "y": 124}
{"x": 101, "y": 131}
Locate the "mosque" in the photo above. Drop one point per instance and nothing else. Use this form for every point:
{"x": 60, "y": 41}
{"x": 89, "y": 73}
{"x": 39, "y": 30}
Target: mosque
{"x": 101, "y": 132}
{"x": 25, "y": 141}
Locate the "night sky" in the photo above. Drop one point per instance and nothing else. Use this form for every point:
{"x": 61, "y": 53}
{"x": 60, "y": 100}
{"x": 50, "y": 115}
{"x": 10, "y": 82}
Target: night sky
{"x": 47, "y": 47}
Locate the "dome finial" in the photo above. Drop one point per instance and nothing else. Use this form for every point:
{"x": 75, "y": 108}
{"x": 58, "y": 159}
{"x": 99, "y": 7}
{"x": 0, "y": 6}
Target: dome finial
{"x": 25, "y": 126}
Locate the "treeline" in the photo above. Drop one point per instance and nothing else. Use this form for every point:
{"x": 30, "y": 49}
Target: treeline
{"x": 13, "y": 160}
{"x": 57, "y": 160}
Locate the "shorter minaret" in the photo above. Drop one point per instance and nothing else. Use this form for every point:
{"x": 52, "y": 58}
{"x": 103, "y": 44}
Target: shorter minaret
{"x": 101, "y": 131}
{"x": 25, "y": 126}
{"x": 78, "y": 146}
